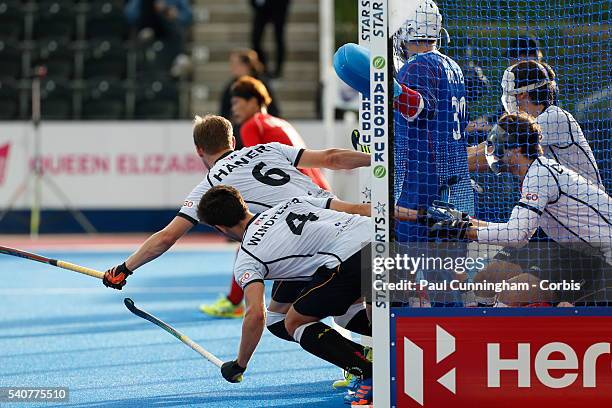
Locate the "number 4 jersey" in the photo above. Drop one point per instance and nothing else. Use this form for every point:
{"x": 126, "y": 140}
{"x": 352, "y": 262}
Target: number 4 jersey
{"x": 292, "y": 240}
{"x": 264, "y": 174}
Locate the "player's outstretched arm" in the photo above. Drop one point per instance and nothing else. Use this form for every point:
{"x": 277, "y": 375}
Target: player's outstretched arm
{"x": 365, "y": 209}
{"x": 523, "y": 222}
{"x": 253, "y": 323}
{"x": 159, "y": 242}
{"x": 153, "y": 247}
{"x": 350, "y": 208}
{"x": 333, "y": 159}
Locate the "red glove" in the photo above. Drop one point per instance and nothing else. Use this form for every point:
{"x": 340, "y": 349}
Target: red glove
{"x": 116, "y": 277}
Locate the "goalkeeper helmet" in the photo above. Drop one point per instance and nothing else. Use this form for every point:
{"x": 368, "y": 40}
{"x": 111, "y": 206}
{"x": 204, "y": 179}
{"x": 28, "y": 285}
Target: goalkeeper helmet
{"x": 526, "y": 76}
{"x": 415, "y": 20}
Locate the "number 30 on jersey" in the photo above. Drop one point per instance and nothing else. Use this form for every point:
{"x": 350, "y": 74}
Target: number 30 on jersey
{"x": 459, "y": 112}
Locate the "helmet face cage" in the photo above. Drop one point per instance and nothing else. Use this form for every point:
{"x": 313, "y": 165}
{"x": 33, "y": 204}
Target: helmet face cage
{"x": 424, "y": 22}
{"x": 497, "y": 144}
{"x": 510, "y": 89}
{"x": 421, "y": 22}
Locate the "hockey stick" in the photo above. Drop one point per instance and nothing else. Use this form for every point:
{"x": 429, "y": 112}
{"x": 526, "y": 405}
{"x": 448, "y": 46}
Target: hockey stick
{"x": 129, "y": 303}
{"x": 49, "y": 261}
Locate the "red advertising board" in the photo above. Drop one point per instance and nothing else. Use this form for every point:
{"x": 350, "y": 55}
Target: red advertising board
{"x": 503, "y": 361}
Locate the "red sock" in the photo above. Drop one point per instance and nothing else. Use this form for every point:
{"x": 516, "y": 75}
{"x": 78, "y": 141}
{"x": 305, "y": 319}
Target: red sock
{"x": 235, "y": 294}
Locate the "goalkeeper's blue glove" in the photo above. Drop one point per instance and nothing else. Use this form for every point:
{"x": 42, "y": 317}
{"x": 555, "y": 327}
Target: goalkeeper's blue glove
{"x": 445, "y": 221}
{"x": 443, "y": 211}
{"x": 352, "y": 65}
{"x": 451, "y": 230}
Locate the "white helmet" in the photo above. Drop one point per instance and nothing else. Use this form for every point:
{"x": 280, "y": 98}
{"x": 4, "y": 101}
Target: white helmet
{"x": 511, "y": 86}
{"x": 415, "y": 20}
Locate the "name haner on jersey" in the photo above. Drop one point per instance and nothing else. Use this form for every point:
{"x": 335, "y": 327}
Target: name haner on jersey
{"x": 226, "y": 168}
{"x": 264, "y": 225}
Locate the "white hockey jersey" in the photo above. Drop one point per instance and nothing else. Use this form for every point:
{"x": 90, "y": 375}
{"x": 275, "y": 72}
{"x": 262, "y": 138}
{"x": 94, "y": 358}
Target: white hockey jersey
{"x": 264, "y": 174}
{"x": 292, "y": 240}
{"x": 563, "y": 140}
{"x": 567, "y": 206}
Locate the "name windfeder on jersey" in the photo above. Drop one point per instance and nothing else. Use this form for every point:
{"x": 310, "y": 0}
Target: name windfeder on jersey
{"x": 264, "y": 225}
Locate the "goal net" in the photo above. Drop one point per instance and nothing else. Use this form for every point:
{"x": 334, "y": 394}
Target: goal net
{"x": 465, "y": 65}
{"x": 503, "y": 116}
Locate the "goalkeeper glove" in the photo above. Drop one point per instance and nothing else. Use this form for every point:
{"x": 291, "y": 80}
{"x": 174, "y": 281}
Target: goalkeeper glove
{"x": 116, "y": 277}
{"x": 443, "y": 211}
{"x": 452, "y": 229}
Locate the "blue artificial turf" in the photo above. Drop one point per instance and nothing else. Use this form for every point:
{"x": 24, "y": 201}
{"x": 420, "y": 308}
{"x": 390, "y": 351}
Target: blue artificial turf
{"x": 60, "y": 328}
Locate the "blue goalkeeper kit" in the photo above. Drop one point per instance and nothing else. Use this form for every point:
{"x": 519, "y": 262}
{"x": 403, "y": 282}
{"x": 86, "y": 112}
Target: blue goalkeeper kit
{"x": 430, "y": 148}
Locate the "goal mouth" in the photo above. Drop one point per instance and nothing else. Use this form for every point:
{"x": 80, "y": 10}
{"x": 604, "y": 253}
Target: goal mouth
{"x": 437, "y": 153}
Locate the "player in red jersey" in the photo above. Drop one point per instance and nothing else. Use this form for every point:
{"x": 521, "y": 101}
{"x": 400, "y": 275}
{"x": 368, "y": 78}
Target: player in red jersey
{"x": 250, "y": 100}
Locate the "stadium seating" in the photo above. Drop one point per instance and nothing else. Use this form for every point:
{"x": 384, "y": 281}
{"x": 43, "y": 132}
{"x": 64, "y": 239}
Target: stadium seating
{"x": 11, "y": 20}
{"x": 152, "y": 59}
{"x": 55, "y": 19}
{"x": 56, "y": 99}
{"x": 104, "y": 19}
{"x": 156, "y": 100}
{"x": 11, "y": 60}
{"x": 57, "y": 56}
{"x": 9, "y": 100}
{"x": 105, "y": 58}
{"x": 103, "y": 99}
{"x": 90, "y": 60}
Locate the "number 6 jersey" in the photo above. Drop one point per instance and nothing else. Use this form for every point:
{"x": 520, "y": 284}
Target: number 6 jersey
{"x": 264, "y": 174}
{"x": 293, "y": 239}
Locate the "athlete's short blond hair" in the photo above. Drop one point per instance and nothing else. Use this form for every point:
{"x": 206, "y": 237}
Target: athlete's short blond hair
{"x": 212, "y": 133}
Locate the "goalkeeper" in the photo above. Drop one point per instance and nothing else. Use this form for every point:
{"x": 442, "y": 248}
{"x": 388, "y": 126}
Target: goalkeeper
{"x": 572, "y": 210}
{"x": 430, "y": 117}
{"x": 430, "y": 114}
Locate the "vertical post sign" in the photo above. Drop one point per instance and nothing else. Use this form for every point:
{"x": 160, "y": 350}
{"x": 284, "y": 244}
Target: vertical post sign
{"x": 365, "y": 106}
{"x": 381, "y": 204}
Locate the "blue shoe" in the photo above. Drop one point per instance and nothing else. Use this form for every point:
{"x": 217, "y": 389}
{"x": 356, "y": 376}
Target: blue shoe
{"x": 362, "y": 394}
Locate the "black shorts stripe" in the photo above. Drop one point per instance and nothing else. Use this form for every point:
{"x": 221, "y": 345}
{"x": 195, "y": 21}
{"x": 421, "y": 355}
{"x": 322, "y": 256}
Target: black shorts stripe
{"x": 333, "y": 275}
{"x": 530, "y": 208}
{"x": 328, "y": 203}
{"x": 188, "y": 218}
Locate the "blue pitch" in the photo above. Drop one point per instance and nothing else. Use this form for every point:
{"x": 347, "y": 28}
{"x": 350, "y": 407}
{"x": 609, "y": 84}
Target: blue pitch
{"x": 60, "y": 328}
